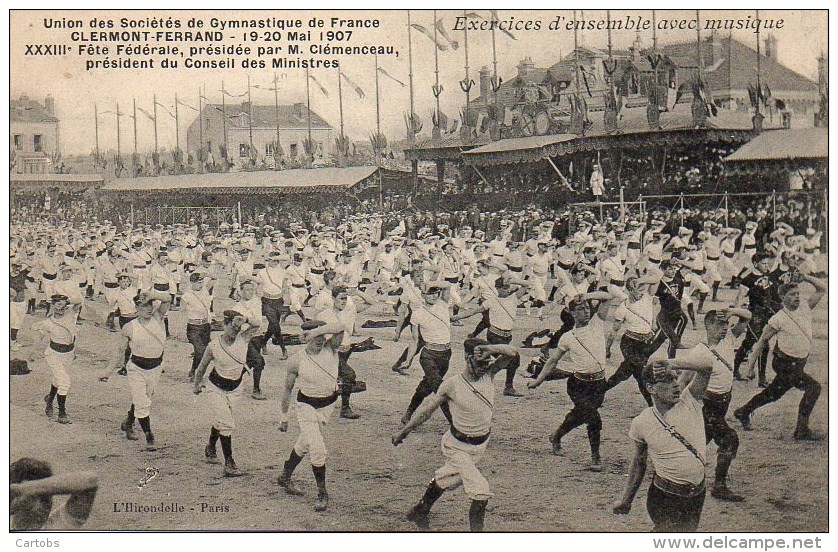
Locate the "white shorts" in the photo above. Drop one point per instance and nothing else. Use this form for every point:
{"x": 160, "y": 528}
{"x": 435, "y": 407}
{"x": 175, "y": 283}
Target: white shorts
{"x": 142, "y": 383}
{"x": 312, "y": 421}
{"x": 17, "y": 311}
{"x": 460, "y": 468}
{"x": 222, "y": 404}
{"x": 59, "y": 363}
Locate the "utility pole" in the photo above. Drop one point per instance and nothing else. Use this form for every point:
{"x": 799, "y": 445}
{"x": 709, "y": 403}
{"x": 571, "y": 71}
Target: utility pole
{"x": 155, "y": 124}
{"x": 96, "y": 128}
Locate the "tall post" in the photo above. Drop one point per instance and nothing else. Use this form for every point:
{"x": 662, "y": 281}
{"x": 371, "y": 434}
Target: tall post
{"x": 239, "y": 210}
{"x": 249, "y": 116}
{"x": 276, "y": 115}
{"x": 682, "y": 208}
{"x": 224, "y": 118}
{"x": 308, "y": 106}
{"x": 759, "y": 85}
{"x": 155, "y": 123}
{"x": 132, "y": 215}
{"x": 622, "y": 205}
{"x": 699, "y": 58}
{"x": 576, "y": 54}
{"x": 727, "y": 216}
{"x": 774, "y": 206}
{"x": 340, "y": 100}
{"x": 377, "y": 148}
{"x": 411, "y": 135}
{"x": 467, "y": 86}
{"x": 96, "y": 128}
{"x": 495, "y": 85}
{"x": 200, "y": 126}
{"x": 135, "y": 126}
{"x": 437, "y": 91}
{"x": 118, "y": 139}
{"x": 177, "y": 126}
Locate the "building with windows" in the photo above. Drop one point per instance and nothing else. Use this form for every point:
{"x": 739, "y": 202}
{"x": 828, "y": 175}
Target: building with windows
{"x": 231, "y": 130}
{"x": 33, "y": 135}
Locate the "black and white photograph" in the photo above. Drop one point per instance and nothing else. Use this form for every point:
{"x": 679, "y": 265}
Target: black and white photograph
{"x": 419, "y": 270}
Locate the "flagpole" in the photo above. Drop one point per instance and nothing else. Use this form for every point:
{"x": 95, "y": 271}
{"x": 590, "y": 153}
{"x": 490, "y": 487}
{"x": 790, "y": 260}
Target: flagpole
{"x": 576, "y": 53}
{"x": 135, "y": 126}
{"x": 96, "y": 127}
{"x": 759, "y": 86}
{"x": 249, "y": 115}
{"x": 411, "y": 135}
{"x": 224, "y": 119}
{"x": 155, "y": 124}
{"x": 177, "y": 126}
{"x": 118, "y": 140}
{"x": 200, "y": 127}
{"x": 276, "y": 114}
{"x": 340, "y": 101}
{"x": 436, "y": 73}
{"x": 376, "y": 150}
{"x": 467, "y": 87}
{"x": 308, "y": 107}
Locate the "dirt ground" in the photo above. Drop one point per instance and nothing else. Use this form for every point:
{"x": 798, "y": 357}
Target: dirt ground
{"x": 371, "y": 483}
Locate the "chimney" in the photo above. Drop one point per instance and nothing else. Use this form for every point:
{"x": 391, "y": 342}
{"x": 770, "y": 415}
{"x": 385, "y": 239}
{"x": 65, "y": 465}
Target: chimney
{"x": 485, "y": 84}
{"x": 771, "y": 47}
{"x": 823, "y": 73}
{"x": 525, "y": 66}
{"x": 636, "y": 47}
{"x": 301, "y": 110}
{"x": 49, "y": 104}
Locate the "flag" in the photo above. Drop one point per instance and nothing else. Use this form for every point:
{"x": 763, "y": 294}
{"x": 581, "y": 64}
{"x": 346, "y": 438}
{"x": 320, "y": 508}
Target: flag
{"x": 429, "y": 34}
{"x": 163, "y": 107}
{"x": 186, "y": 105}
{"x": 441, "y": 28}
{"x": 388, "y": 75}
{"x": 504, "y": 31}
{"x": 236, "y": 95}
{"x": 322, "y": 89}
{"x": 146, "y": 113}
{"x": 357, "y": 88}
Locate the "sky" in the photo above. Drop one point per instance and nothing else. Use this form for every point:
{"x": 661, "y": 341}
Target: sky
{"x": 75, "y": 89}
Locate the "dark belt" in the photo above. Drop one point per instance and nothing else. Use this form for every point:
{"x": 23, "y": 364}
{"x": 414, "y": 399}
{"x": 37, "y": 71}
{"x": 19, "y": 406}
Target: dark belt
{"x": 60, "y": 347}
{"x": 718, "y": 398}
{"x": 317, "y": 402}
{"x": 780, "y": 355}
{"x": 643, "y": 338}
{"x": 161, "y": 287}
{"x": 502, "y": 333}
{"x": 452, "y": 280}
{"x": 713, "y": 258}
{"x": 615, "y": 282}
{"x": 111, "y": 285}
{"x": 468, "y": 439}
{"x": 729, "y": 255}
{"x": 225, "y": 384}
{"x": 317, "y": 271}
{"x": 750, "y": 247}
{"x": 516, "y": 268}
{"x": 699, "y": 271}
{"x": 633, "y": 245}
{"x": 49, "y": 276}
{"x": 687, "y": 490}
{"x": 146, "y": 363}
{"x": 300, "y": 286}
{"x": 82, "y": 285}
{"x": 595, "y": 376}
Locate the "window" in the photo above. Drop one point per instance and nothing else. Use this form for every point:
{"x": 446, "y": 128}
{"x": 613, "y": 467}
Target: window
{"x": 38, "y": 144}
{"x": 319, "y": 149}
{"x": 269, "y": 149}
{"x": 243, "y": 150}
{"x": 18, "y": 140}
{"x": 293, "y": 150}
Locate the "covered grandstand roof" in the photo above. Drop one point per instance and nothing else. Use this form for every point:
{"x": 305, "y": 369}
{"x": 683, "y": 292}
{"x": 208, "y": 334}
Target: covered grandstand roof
{"x": 775, "y": 145}
{"x": 256, "y": 182}
{"x": 38, "y": 181}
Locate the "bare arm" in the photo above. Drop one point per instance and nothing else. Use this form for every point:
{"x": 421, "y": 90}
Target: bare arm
{"x": 767, "y": 333}
{"x": 202, "y": 368}
{"x": 292, "y": 371}
{"x": 117, "y": 362}
{"x": 637, "y": 471}
{"x": 424, "y": 414}
{"x": 81, "y": 486}
{"x": 820, "y": 290}
{"x": 549, "y": 368}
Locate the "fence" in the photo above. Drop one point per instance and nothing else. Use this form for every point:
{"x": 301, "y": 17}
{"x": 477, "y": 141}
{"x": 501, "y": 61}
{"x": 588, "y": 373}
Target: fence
{"x": 213, "y": 216}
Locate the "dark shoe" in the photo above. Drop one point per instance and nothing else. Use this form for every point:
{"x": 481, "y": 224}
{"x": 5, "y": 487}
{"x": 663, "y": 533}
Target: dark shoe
{"x": 131, "y": 435}
{"x": 191, "y": 376}
{"x": 359, "y": 387}
{"x": 322, "y": 502}
{"x": 406, "y": 418}
{"x": 211, "y": 455}
{"x": 283, "y": 355}
{"x": 511, "y": 392}
{"x": 258, "y": 396}
{"x": 149, "y": 442}
{"x": 122, "y": 372}
{"x": 232, "y": 470}
{"x": 348, "y": 413}
{"x": 48, "y": 408}
{"x": 762, "y": 384}
{"x": 63, "y": 419}
{"x": 596, "y": 464}
{"x": 557, "y": 444}
{"x": 807, "y": 435}
{"x": 289, "y": 486}
{"x": 721, "y": 492}
{"x": 419, "y": 516}
{"x": 744, "y": 418}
